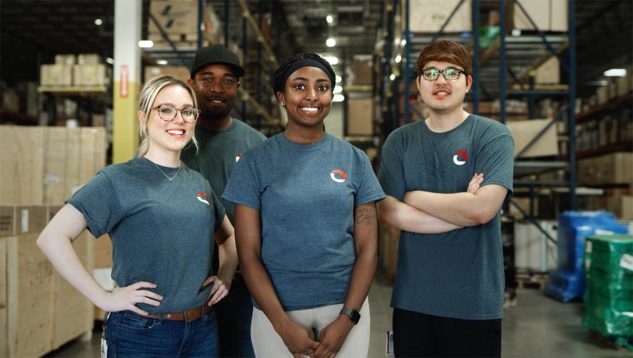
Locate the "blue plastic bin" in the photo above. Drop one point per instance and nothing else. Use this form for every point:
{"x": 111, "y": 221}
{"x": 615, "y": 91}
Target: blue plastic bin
{"x": 567, "y": 282}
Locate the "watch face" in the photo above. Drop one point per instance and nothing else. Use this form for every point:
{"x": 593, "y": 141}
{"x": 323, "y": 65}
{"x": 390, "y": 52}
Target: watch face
{"x": 353, "y": 315}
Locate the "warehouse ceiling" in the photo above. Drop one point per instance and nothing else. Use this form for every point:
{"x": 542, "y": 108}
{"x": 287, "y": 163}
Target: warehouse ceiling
{"x": 32, "y": 31}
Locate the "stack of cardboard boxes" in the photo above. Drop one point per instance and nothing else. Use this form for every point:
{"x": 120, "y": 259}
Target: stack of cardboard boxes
{"x": 82, "y": 70}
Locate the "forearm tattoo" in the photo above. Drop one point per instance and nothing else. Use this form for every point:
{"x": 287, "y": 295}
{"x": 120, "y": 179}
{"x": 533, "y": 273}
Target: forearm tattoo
{"x": 365, "y": 215}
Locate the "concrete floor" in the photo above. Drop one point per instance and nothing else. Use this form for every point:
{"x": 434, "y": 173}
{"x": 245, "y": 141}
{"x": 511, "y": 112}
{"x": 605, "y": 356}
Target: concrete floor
{"x": 537, "y": 326}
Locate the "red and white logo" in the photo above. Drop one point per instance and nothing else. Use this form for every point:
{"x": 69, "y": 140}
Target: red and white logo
{"x": 202, "y": 197}
{"x": 338, "y": 175}
{"x": 460, "y": 157}
{"x": 238, "y": 155}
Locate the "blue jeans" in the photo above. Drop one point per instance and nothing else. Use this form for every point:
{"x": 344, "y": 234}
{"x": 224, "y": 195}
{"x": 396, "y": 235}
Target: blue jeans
{"x": 131, "y": 335}
{"x": 234, "y": 321}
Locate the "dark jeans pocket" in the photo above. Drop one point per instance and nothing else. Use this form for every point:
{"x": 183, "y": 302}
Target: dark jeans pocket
{"x": 134, "y": 321}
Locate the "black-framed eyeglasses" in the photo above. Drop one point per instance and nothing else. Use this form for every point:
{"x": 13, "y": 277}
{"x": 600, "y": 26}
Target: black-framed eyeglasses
{"x": 450, "y": 74}
{"x": 168, "y": 112}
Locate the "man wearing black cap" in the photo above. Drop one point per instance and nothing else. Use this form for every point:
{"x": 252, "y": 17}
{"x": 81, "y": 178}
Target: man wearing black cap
{"x": 215, "y": 78}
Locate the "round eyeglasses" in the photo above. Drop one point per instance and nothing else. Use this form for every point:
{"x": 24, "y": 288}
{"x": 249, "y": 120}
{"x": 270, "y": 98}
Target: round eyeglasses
{"x": 450, "y": 74}
{"x": 168, "y": 112}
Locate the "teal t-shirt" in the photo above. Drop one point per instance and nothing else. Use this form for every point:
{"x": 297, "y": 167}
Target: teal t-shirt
{"x": 458, "y": 274}
{"x": 161, "y": 230}
{"x": 306, "y": 195}
{"x": 219, "y": 152}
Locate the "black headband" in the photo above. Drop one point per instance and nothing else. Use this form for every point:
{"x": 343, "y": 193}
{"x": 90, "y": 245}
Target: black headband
{"x": 304, "y": 62}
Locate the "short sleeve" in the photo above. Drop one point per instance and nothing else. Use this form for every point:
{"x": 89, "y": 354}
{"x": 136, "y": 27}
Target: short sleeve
{"x": 99, "y": 204}
{"x": 391, "y": 171}
{"x": 369, "y": 189}
{"x": 243, "y": 185}
{"x": 496, "y": 161}
{"x": 218, "y": 209}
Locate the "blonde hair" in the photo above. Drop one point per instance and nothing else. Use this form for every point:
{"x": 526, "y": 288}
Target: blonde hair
{"x": 150, "y": 90}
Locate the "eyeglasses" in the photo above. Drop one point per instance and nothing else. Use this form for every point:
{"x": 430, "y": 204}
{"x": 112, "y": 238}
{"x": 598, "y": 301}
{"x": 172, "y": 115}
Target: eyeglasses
{"x": 450, "y": 74}
{"x": 168, "y": 112}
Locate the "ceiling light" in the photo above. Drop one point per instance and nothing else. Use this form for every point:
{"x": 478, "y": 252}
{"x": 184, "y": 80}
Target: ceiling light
{"x": 329, "y": 19}
{"x": 161, "y": 62}
{"x": 338, "y": 98}
{"x": 146, "y": 44}
{"x": 392, "y": 77}
{"x": 110, "y": 60}
{"x": 403, "y": 42}
{"x": 98, "y": 22}
{"x": 333, "y": 60}
{"x": 339, "y": 79}
{"x": 330, "y": 42}
{"x": 398, "y": 58}
{"x": 615, "y": 72}
{"x": 338, "y": 89}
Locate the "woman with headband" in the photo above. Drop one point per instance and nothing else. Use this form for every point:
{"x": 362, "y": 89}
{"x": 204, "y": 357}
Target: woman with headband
{"x": 306, "y": 225}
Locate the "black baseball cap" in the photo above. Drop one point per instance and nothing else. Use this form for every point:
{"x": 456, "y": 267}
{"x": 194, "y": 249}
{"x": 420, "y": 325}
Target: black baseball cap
{"x": 216, "y": 54}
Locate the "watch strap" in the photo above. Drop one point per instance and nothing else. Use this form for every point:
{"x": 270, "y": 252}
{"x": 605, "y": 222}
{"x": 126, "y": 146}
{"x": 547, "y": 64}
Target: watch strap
{"x": 351, "y": 313}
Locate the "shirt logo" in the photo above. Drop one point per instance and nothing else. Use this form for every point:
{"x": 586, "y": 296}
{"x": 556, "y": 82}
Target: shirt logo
{"x": 238, "y": 155}
{"x": 202, "y": 197}
{"x": 338, "y": 175}
{"x": 460, "y": 157}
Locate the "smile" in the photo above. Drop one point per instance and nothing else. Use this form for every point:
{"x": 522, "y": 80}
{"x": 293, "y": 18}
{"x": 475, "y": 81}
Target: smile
{"x": 309, "y": 109}
{"x": 176, "y": 131}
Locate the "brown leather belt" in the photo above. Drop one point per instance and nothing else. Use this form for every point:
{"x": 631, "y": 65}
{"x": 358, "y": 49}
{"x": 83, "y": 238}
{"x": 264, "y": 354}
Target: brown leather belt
{"x": 187, "y": 316}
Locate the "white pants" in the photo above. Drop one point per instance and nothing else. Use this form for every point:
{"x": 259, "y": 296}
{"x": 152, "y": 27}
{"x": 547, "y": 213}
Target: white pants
{"x": 267, "y": 343}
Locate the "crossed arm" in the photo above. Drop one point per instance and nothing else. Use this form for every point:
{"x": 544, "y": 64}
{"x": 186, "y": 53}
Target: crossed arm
{"x": 431, "y": 213}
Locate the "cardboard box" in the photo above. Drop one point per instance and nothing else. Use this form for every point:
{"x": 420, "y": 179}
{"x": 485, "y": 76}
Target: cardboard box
{"x": 88, "y": 59}
{"x": 362, "y": 70}
{"x": 360, "y": 116}
{"x": 547, "y": 15}
{"x": 524, "y": 131}
{"x": 65, "y": 59}
{"x": 602, "y": 94}
{"x": 179, "y": 17}
{"x": 622, "y": 86}
{"x": 621, "y": 206}
{"x": 614, "y": 168}
{"x": 428, "y": 16}
{"x": 548, "y": 72}
{"x": 56, "y": 75}
{"x": 90, "y": 75}
{"x": 180, "y": 72}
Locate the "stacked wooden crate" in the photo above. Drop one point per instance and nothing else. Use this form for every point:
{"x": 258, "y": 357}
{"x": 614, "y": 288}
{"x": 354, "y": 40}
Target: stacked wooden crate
{"x": 39, "y": 310}
{"x": 43, "y": 166}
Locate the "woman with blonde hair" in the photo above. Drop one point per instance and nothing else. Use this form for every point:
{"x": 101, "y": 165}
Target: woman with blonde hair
{"x": 162, "y": 218}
